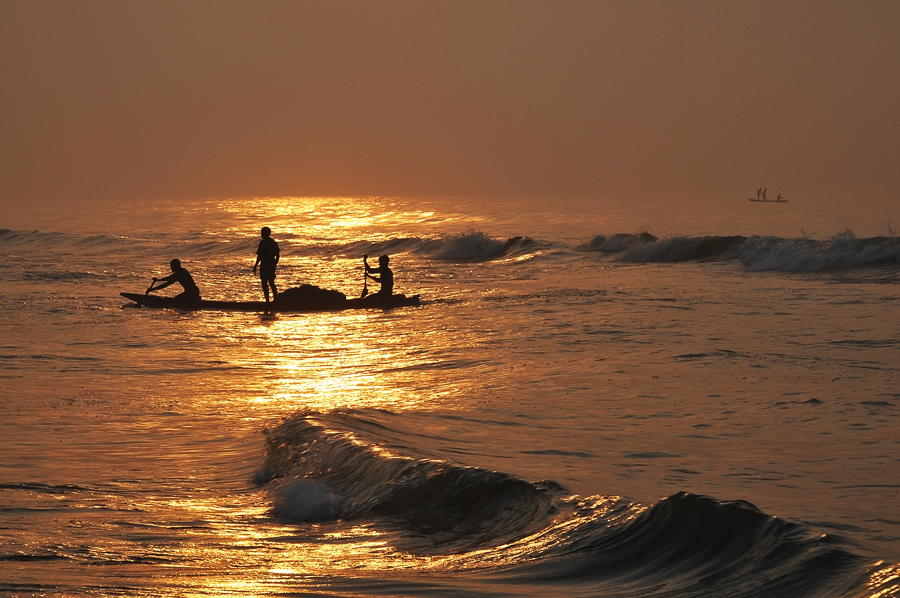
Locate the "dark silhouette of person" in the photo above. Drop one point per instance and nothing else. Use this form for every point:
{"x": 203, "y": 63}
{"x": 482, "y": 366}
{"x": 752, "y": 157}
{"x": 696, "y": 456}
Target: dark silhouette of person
{"x": 181, "y": 276}
{"x": 758, "y": 193}
{"x": 385, "y": 275}
{"x": 780, "y": 198}
{"x": 267, "y": 256}
{"x": 764, "y": 193}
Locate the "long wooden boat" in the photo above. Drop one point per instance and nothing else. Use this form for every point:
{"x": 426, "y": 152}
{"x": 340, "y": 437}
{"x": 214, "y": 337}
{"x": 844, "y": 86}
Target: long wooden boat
{"x": 374, "y": 301}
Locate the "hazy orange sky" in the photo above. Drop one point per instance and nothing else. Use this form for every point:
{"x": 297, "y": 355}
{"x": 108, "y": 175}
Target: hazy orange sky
{"x": 123, "y": 100}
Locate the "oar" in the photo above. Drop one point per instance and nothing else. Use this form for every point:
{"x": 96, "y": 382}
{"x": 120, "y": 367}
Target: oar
{"x": 365, "y": 279}
{"x": 150, "y": 288}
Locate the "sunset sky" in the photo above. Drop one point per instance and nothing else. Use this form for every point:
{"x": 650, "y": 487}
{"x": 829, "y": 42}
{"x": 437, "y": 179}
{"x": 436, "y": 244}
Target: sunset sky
{"x": 125, "y": 100}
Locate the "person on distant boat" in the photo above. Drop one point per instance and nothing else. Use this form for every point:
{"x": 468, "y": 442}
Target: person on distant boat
{"x": 267, "y": 256}
{"x": 780, "y": 198}
{"x": 764, "y": 194}
{"x": 386, "y": 276}
{"x": 758, "y": 193}
{"x": 181, "y": 276}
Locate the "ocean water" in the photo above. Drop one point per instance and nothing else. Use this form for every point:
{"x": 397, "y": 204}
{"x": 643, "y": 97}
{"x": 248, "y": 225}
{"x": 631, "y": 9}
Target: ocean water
{"x": 585, "y": 404}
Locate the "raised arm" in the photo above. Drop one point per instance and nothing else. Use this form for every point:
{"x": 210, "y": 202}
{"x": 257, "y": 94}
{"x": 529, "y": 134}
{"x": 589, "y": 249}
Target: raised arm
{"x": 166, "y": 281}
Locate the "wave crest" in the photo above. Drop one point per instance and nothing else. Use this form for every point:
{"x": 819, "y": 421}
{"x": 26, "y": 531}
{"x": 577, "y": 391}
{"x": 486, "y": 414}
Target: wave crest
{"x": 465, "y": 505}
{"x": 617, "y": 243}
{"x": 474, "y": 246}
{"x": 843, "y": 251}
{"x": 327, "y": 466}
{"x": 682, "y": 249}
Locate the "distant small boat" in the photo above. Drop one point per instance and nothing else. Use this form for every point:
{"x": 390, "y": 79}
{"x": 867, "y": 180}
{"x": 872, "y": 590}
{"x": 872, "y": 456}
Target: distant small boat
{"x": 767, "y": 200}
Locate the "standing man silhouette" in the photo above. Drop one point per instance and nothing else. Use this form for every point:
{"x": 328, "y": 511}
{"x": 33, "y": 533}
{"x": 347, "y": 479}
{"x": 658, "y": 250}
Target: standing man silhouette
{"x": 764, "y": 192}
{"x": 758, "y": 193}
{"x": 267, "y": 256}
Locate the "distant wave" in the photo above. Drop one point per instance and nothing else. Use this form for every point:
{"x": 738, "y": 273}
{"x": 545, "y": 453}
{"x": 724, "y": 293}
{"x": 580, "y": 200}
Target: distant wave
{"x": 844, "y": 251}
{"x": 473, "y": 246}
{"x": 61, "y": 276}
{"x": 758, "y": 253}
{"x": 841, "y": 252}
{"x": 466, "y": 246}
{"x": 13, "y": 238}
{"x": 330, "y": 466}
{"x": 618, "y": 243}
{"x": 94, "y": 243}
{"x": 64, "y": 246}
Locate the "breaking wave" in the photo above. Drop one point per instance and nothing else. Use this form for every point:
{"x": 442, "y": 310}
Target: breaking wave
{"x": 467, "y": 246}
{"x": 473, "y": 246}
{"x": 844, "y": 251}
{"x": 336, "y": 475}
{"x": 332, "y": 466}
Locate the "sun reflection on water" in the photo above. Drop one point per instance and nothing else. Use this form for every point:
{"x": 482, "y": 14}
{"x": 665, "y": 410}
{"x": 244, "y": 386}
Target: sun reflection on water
{"x": 327, "y": 360}
{"x": 347, "y": 218}
{"x": 332, "y": 360}
{"x": 883, "y": 583}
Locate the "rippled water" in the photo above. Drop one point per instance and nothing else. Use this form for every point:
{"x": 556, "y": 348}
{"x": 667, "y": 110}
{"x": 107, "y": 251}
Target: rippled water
{"x": 576, "y": 409}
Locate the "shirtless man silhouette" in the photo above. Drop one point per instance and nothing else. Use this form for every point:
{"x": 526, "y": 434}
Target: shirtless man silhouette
{"x": 181, "y": 276}
{"x": 386, "y": 276}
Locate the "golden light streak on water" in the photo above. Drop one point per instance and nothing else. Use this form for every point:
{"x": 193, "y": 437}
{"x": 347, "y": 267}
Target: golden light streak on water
{"x": 333, "y": 360}
{"x": 882, "y": 578}
{"x": 270, "y": 550}
{"x": 349, "y": 219}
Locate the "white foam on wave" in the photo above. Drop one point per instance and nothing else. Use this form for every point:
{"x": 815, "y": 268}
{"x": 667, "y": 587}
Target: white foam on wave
{"x": 305, "y": 500}
{"x": 844, "y": 251}
{"x": 841, "y": 252}
{"x": 468, "y": 245}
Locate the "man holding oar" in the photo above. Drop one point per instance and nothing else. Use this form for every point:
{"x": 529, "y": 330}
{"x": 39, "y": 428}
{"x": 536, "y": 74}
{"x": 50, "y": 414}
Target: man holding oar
{"x": 386, "y": 277}
{"x": 181, "y": 276}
